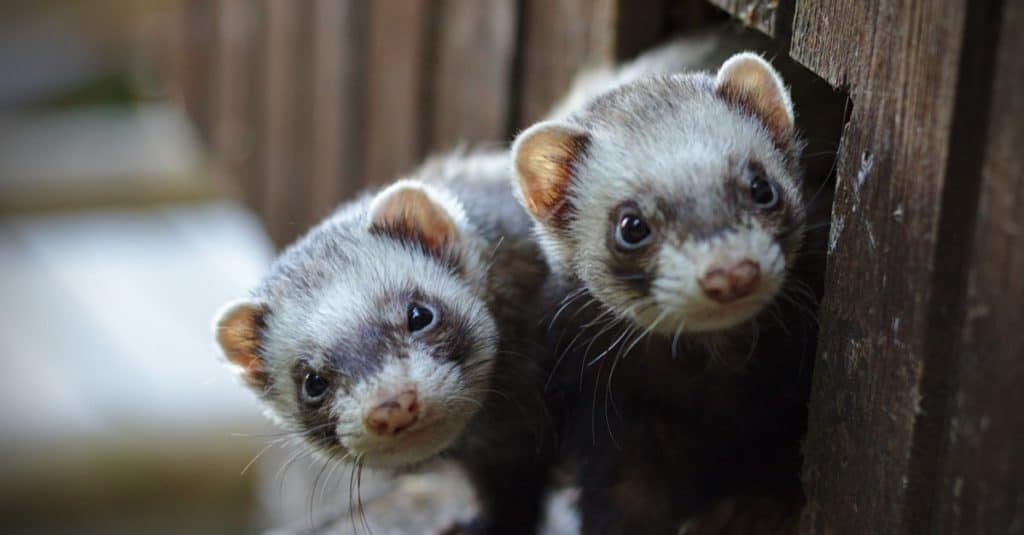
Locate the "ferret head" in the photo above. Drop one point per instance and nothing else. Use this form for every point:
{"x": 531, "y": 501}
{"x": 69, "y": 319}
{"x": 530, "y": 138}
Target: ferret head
{"x": 370, "y": 337}
{"x": 675, "y": 200}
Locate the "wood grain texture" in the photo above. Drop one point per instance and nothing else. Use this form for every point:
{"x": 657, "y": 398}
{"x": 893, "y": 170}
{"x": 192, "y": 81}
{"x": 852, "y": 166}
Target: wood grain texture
{"x": 287, "y": 128}
{"x": 194, "y": 36}
{"x": 873, "y": 444}
{"x": 395, "y": 86}
{"x": 980, "y": 483}
{"x": 336, "y": 150}
{"x": 236, "y": 136}
{"x": 559, "y": 38}
{"x": 472, "y": 81}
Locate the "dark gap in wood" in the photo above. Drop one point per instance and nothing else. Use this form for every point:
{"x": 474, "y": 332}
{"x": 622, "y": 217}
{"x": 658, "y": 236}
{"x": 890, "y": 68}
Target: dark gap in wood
{"x": 515, "y": 81}
{"x": 637, "y": 27}
{"x": 954, "y": 241}
{"x": 302, "y": 213}
{"x": 353, "y": 170}
{"x": 783, "y": 25}
{"x": 691, "y": 14}
{"x": 253, "y": 179}
{"x": 278, "y": 100}
{"x": 427, "y": 98}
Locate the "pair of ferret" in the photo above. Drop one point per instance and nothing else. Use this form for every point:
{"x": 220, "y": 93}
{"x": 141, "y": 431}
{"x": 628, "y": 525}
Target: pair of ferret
{"x": 626, "y": 324}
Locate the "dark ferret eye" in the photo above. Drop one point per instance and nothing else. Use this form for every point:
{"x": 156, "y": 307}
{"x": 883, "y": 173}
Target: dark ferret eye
{"x": 420, "y": 317}
{"x": 314, "y": 387}
{"x": 632, "y": 232}
{"x": 763, "y": 192}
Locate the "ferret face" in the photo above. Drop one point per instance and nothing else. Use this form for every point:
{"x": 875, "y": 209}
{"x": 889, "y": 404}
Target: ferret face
{"x": 676, "y": 200}
{"x": 381, "y": 352}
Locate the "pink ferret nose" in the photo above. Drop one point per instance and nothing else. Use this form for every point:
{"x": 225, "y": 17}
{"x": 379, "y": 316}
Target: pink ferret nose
{"x": 727, "y": 284}
{"x": 393, "y": 416}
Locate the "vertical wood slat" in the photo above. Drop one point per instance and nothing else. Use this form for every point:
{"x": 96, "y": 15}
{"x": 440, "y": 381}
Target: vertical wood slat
{"x": 394, "y": 86}
{"x": 195, "y": 42}
{"x": 472, "y": 82}
{"x": 288, "y": 116}
{"x": 236, "y": 127}
{"x": 900, "y": 60}
{"x": 981, "y": 485}
{"x": 336, "y": 152}
{"x": 560, "y": 38}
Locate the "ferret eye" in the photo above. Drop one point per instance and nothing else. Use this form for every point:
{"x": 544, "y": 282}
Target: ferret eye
{"x": 632, "y": 232}
{"x": 420, "y": 317}
{"x": 314, "y": 387}
{"x": 763, "y": 193}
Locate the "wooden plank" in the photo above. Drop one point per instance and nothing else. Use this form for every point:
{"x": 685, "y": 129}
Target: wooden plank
{"x": 337, "y": 64}
{"x": 287, "y": 128}
{"x": 981, "y": 487}
{"x": 235, "y": 126}
{"x": 396, "y": 73}
{"x": 195, "y": 37}
{"x": 895, "y": 212}
{"x": 473, "y": 79}
{"x": 558, "y": 39}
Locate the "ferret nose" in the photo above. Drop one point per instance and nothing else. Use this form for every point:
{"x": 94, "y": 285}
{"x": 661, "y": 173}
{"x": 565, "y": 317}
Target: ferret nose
{"x": 727, "y": 284}
{"x": 394, "y": 415}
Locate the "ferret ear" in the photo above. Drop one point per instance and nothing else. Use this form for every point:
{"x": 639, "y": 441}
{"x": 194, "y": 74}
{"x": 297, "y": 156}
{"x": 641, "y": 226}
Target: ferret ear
{"x": 749, "y": 81}
{"x": 545, "y": 157}
{"x": 409, "y": 210}
{"x": 239, "y": 333}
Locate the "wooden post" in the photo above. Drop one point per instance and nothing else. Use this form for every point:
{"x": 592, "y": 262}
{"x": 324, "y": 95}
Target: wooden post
{"x": 397, "y": 70}
{"x": 472, "y": 81}
{"x": 338, "y": 72}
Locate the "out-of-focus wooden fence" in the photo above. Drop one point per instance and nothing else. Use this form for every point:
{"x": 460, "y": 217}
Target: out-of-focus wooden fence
{"x": 305, "y": 102}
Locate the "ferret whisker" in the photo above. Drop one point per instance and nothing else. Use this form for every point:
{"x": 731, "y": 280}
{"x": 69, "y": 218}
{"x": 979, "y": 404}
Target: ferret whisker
{"x": 607, "y": 350}
{"x": 568, "y": 300}
{"x": 753, "y": 342}
{"x": 351, "y": 495}
{"x": 312, "y": 494}
{"x": 618, "y": 321}
{"x": 675, "y": 339}
{"x": 468, "y": 400}
{"x": 316, "y": 485}
{"x": 359, "y": 497}
{"x": 286, "y": 434}
{"x": 580, "y": 332}
{"x": 283, "y": 470}
{"x": 257, "y": 456}
{"x": 593, "y": 403}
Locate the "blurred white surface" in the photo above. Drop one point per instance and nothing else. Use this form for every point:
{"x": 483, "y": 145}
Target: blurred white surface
{"x": 105, "y": 321}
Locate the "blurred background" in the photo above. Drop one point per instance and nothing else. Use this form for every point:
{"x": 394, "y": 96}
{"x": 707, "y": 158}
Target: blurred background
{"x": 118, "y": 241}
{"x": 153, "y": 156}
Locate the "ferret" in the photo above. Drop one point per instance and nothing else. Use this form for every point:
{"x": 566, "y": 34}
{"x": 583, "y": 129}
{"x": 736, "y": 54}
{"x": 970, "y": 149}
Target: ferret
{"x": 404, "y": 327}
{"x": 671, "y": 211}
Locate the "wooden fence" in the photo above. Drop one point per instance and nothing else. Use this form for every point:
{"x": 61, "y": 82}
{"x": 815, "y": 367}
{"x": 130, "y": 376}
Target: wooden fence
{"x": 309, "y": 101}
{"x": 917, "y": 410}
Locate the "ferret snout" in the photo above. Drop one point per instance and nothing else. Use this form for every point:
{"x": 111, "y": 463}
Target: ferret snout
{"x": 393, "y": 415}
{"x": 727, "y": 283}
